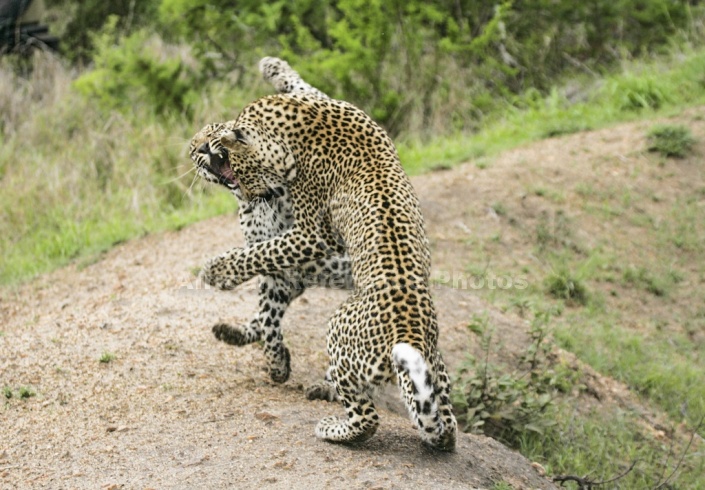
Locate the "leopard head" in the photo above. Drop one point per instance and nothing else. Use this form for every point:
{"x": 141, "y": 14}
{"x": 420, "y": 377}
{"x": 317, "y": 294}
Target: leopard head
{"x": 261, "y": 163}
{"x": 211, "y": 159}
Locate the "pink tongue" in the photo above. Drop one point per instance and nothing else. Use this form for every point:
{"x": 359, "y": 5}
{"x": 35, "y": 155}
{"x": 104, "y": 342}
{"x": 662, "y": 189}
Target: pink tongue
{"x": 228, "y": 173}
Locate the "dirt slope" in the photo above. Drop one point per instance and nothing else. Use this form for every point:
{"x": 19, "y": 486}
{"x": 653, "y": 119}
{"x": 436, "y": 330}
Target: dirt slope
{"x": 177, "y": 409}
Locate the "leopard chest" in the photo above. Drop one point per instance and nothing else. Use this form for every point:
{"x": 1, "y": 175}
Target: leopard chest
{"x": 263, "y": 219}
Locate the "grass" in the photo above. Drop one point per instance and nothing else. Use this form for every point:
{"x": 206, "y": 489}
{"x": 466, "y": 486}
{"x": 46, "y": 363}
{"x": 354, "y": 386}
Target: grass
{"x": 629, "y": 293}
{"x": 662, "y": 365}
{"x": 23, "y": 392}
{"x": 604, "y": 448}
{"x": 637, "y": 338}
{"x": 119, "y": 176}
{"x": 559, "y": 424}
{"x": 671, "y": 140}
{"x": 107, "y": 357}
{"x": 640, "y": 89}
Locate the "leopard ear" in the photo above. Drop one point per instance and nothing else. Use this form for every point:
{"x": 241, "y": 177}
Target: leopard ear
{"x": 234, "y": 140}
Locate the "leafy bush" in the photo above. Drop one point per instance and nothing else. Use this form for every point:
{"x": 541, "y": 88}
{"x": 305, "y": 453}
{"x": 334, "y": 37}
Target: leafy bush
{"x": 507, "y": 406}
{"x": 417, "y": 65}
{"x": 76, "y": 21}
{"x": 127, "y": 73}
{"x": 671, "y": 140}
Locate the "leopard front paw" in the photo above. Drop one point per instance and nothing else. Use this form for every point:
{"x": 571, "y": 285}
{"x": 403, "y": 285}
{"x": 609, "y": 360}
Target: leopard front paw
{"x": 219, "y": 274}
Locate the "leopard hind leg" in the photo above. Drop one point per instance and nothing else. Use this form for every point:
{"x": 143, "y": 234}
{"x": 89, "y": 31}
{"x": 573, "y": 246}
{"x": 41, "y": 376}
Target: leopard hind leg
{"x": 354, "y": 389}
{"x": 360, "y": 424}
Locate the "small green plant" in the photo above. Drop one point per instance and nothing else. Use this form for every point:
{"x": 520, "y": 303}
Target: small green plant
{"x": 26, "y": 392}
{"x": 479, "y": 324}
{"x": 507, "y": 406}
{"x": 671, "y": 140}
{"x": 563, "y": 284}
{"x": 107, "y": 357}
{"x": 7, "y": 392}
{"x": 499, "y": 208}
{"x": 642, "y": 278}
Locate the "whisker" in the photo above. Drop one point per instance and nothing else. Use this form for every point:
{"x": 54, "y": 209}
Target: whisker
{"x": 187, "y": 191}
{"x": 192, "y": 169}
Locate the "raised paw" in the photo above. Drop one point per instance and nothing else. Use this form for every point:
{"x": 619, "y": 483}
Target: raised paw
{"x": 221, "y": 271}
{"x": 212, "y": 279}
{"x": 321, "y": 391}
{"x": 280, "y": 373}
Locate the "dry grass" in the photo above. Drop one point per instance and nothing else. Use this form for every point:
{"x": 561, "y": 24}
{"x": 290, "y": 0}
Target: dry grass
{"x": 76, "y": 179}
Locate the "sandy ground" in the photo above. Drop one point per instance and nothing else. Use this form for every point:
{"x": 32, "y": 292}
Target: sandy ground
{"x": 175, "y": 408}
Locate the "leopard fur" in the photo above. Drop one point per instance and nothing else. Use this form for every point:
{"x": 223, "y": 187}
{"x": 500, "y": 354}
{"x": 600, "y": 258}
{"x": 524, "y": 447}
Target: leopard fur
{"x": 348, "y": 191}
{"x": 260, "y": 220}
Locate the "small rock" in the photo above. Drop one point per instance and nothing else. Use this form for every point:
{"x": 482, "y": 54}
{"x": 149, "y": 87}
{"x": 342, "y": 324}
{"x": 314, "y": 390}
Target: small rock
{"x": 266, "y": 417}
{"x": 540, "y": 469}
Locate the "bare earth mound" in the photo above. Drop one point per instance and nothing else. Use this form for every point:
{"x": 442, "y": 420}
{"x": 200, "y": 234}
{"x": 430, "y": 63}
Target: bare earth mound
{"x": 177, "y": 409}
{"x": 173, "y": 408}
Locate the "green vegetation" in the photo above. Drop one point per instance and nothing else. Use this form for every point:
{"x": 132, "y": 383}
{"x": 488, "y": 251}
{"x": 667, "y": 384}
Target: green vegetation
{"x": 107, "y": 357}
{"x": 618, "y": 258}
{"x": 23, "y": 392}
{"x": 508, "y": 405}
{"x": 543, "y": 409}
{"x": 26, "y": 392}
{"x": 671, "y": 141}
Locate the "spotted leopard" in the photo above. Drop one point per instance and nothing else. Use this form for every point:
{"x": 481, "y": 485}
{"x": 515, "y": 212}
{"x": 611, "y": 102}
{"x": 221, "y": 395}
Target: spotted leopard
{"x": 262, "y": 219}
{"x": 347, "y": 190}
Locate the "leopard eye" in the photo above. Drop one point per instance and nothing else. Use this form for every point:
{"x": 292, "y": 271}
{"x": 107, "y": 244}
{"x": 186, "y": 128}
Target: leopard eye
{"x": 203, "y": 149}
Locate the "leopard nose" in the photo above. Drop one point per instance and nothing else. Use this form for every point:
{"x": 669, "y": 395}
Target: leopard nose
{"x": 204, "y": 149}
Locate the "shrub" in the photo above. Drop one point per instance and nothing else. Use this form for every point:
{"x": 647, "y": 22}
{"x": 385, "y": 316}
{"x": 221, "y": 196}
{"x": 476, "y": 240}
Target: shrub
{"x": 671, "y": 140}
{"x": 563, "y": 284}
{"x": 508, "y": 406}
{"x": 128, "y": 73}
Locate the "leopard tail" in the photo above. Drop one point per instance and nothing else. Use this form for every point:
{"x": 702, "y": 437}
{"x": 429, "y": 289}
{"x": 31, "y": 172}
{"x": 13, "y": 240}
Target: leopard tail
{"x": 419, "y": 394}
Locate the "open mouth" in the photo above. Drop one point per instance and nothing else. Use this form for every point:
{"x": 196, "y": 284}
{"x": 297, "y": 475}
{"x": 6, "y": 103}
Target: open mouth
{"x": 219, "y": 168}
{"x": 224, "y": 174}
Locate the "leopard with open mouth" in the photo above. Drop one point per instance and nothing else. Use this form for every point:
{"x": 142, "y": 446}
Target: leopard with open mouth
{"x": 346, "y": 191}
{"x": 261, "y": 219}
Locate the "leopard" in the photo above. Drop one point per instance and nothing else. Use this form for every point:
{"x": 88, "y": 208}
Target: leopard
{"x": 348, "y": 192}
{"x": 262, "y": 219}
